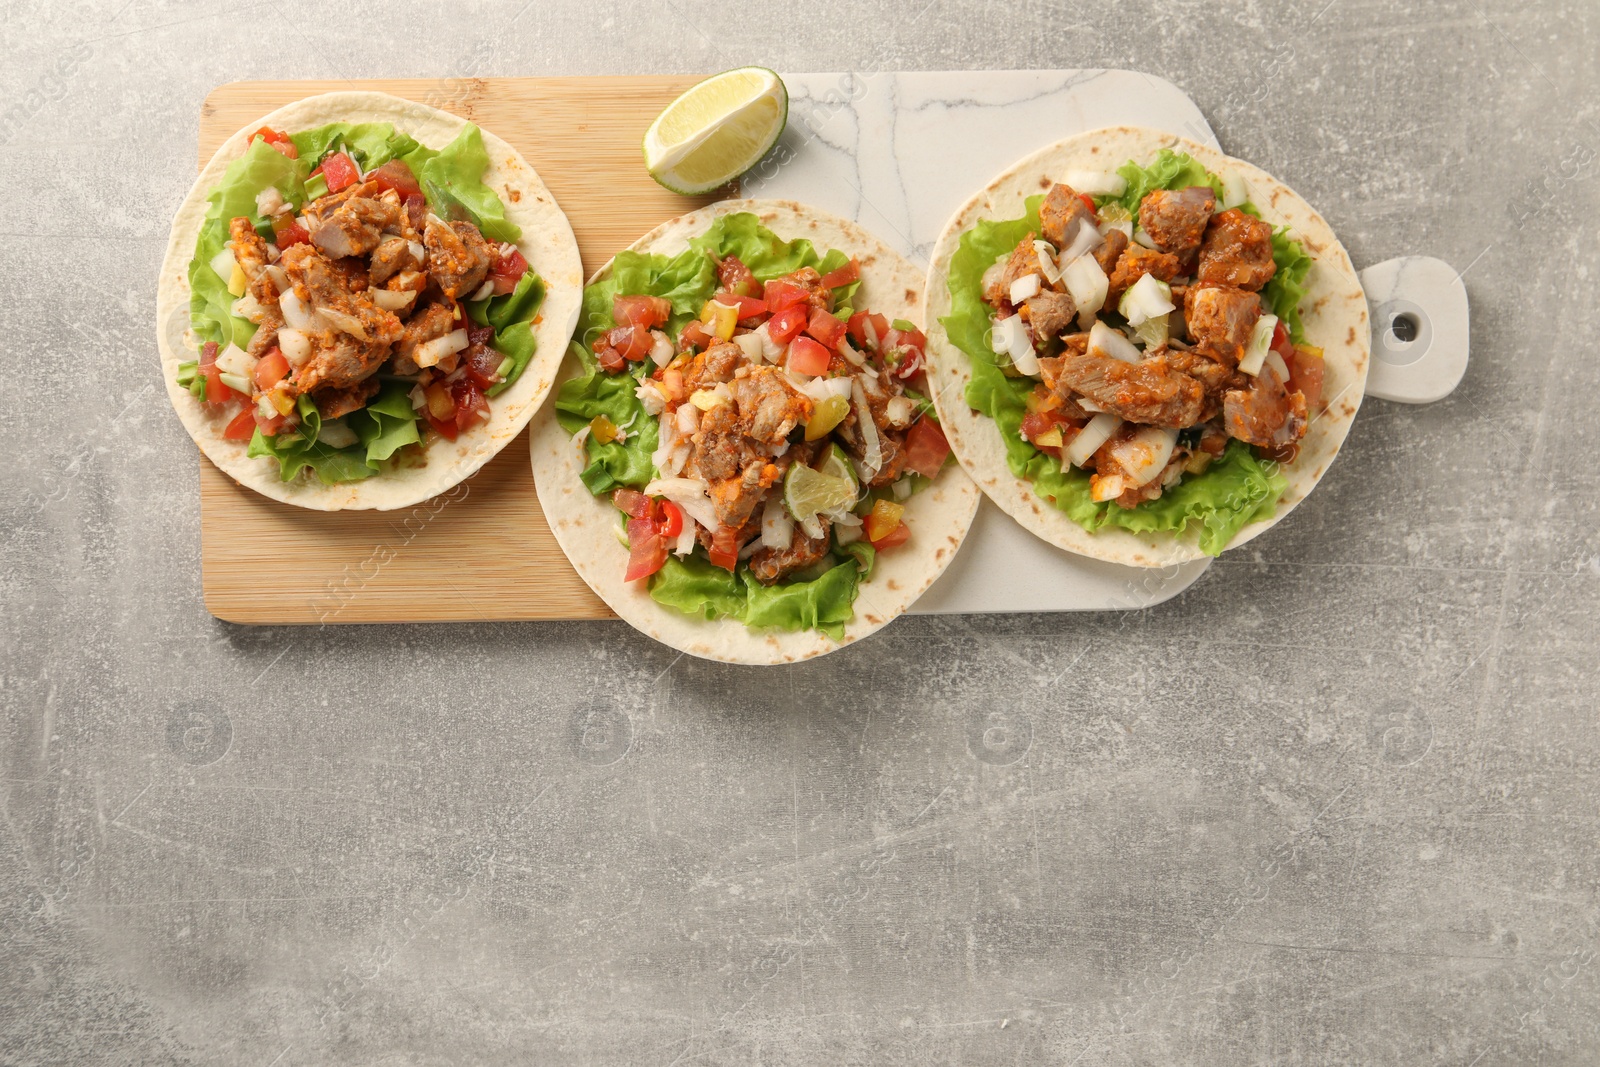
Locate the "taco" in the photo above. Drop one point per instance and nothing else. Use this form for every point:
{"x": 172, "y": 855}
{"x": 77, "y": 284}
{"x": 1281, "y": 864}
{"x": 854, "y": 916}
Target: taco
{"x": 742, "y": 459}
{"x": 363, "y": 300}
{"x": 1143, "y": 350}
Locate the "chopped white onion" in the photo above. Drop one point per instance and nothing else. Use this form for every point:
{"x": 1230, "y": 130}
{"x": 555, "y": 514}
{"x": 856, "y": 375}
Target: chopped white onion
{"x": 661, "y": 352}
{"x": 485, "y": 291}
{"x": 1234, "y": 190}
{"x": 1097, "y": 182}
{"x": 419, "y": 400}
{"x": 688, "y": 494}
{"x": 900, "y": 411}
{"x": 300, "y": 315}
{"x": 1086, "y": 238}
{"x": 269, "y": 201}
{"x": 1087, "y": 284}
{"x": 901, "y": 489}
{"x": 429, "y": 353}
{"x": 777, "y": 526}
{"x": 1024, "y": 287}
{"x": 235, "y": 360}
{"x": 335, "y": 434}
{"x": 688, "y": 417}
{"x": 1103, "y": 487}
{"x": 650, "y": 397}
{"x": 278, "y": 277}
{"x": 1143, "y": 237}
{"x": 347, "y": 323}
{"x": 222, "y": 264}
{"x": 749, "y": 344}
{"x": 845, "y": 535}
{"x": 1278, "y": 366}
{"x": 771, "y": 350}
{"x": 686, "y": 538}
{"x": 248, "y": 307}
{"x": 1090, "y": 438}
{"x": 1144, "y": 453}
{"x": 419, "y": 252}
{"x": 1049, "y": 266}
{"x": 296, "y": 346}
{"x": 1105, "y": 341}
{"x": 848, "y": 351}
{"x": 871, "y": 448}
{"x": 1123, "y": 225}
{"x": 1260, "y": 342}
{"x": 1145, "y": 299}
{"x": 393, "y": 299}
{"x": 1088, "y": 405}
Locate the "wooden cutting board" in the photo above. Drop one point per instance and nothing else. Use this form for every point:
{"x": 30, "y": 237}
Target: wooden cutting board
{"x": 482, "y": 551}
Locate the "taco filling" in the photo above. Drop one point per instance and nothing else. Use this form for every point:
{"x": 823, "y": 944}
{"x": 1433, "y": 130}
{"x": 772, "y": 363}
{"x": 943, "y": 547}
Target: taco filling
{"x": 757, "y": 432}
{"x": 1137, "y": 338}
{"x": 352, "y": 290}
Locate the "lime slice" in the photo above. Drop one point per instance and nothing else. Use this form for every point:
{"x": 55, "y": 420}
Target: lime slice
{"x": 717, "y": 130}
{"x": 807, "y": 492}
{"x": 836, "y": 464}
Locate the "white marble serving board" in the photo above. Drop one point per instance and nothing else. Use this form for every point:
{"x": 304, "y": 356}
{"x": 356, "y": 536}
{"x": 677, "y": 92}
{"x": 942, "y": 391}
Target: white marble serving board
{"x": 899, "y": 153}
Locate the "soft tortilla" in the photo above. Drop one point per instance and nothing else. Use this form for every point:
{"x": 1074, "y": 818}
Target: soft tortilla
{"x": 547, "y": 243}
{"x": 585, "y": 524}
{"x": 1334, "y": 313}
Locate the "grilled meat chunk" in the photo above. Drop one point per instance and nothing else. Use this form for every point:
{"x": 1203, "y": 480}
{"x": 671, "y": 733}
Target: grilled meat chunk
{"x": 1176, "y": 220}
{"x": 1050, "y": 314}
{"x": 430, "y": 322}
{"x": 769, "y": 407}
{"x": 353, "y": 227}
{"x": 458, "y": 256}
{"x": 774, "y": 564}
{"x": 1265, "y": 413}
{"x": 327, "y": 285}
{"x": 1237, "y": 251}
{"x": 392, "y": 256}
{"x": 1110, "y": 251}
{"x": 1135, "y": 262}
{"x": 333, "y": 403}
{"x": 1150, "y": 391}
{"x": 339, "y": 361}
{"x": 735, "y": 499}
{"x": 998, "y": 278}
{"x": 1060, "y": 215}
{"x": 266, "y": 334}
{"x": 1220, "y": 319}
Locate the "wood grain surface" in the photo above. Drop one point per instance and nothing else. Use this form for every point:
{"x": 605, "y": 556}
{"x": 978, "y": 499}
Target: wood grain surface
{"x": 482, "y": 551}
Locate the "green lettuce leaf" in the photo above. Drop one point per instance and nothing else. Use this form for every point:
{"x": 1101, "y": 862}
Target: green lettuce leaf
{"x": 387, "y": 424}
{"x": 1235, "y": 490}
{"x": 453, "y": 179}
{"x": 1169, "y": 170}
{"x": 692, "y": 584}
{"x": 512, "y": 317}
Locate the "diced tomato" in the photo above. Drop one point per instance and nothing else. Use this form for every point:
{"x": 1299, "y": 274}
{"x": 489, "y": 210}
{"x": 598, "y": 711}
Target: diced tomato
{"x": 893, "y": 539}
{"x": 610, "y": 361}
{"x": 416, "y": 210}
{"x": 1306, "y": 371}
{"x": 631, "y": 342}
{"x": 781, "y": 295}
{"x": 671, "y": 520}
{"x": 445, "y": 428}
{"x": 396, "y": 175}
{"x": 483, "y": 362}
{"x": 749, "y": 307}
{"x": 783, "y": 326}
{"x": 724, "y": 550}
{"x": 217, "y": 393}
{"x": 242, "y": 428}
{"x": 286, "y": 232}
{"x": 737, "y": 278}
{"x": 508, "y": 271}
{"x": 825, "y": 328}
{"x": 808, "y": 357}
{"x": 1088, "y": 202}
{"x": 642, "y": 310}
{"x": 271, "y": 369}
{"x": 903, "y": 351}
{"x": 695, "y": 335}
{"x": 850, "y": 272}
{"x": 914, "y": 337}
{"x": 470, "y": 403}
{"x": 339, "y": 170}
{"x": 1280, "y": 336}
{"x": 1035, "y": 423}
{"x": 862, "y": 336}
{"x": 277, "y": 140}
{"x": 647, "y": 552}
{"x": 632, "y": 503}
{"x": 926, "y": 447}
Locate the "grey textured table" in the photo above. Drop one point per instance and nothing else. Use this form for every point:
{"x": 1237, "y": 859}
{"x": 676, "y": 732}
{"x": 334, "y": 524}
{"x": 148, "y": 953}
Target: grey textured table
{"x": 1336, "y": 803}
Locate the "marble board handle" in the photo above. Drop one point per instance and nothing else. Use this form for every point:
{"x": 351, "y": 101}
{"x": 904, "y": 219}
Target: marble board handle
{"x": 1418, "y": 309}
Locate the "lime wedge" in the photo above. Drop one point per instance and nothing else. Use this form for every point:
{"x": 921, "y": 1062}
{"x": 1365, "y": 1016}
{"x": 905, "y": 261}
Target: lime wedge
{"x": 836, "y": 464}
{"x": 717, "y": 130}
{"x": 807, "y": 492}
